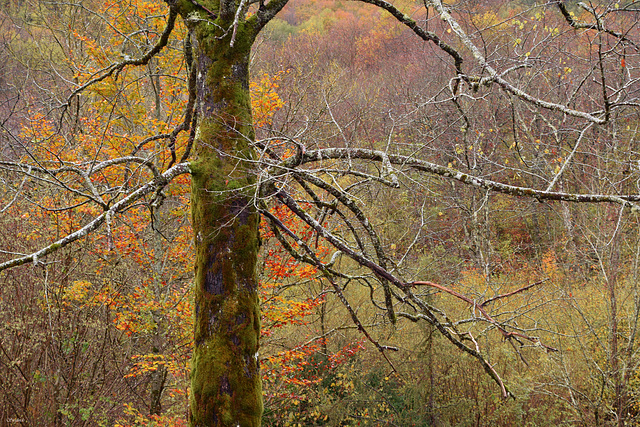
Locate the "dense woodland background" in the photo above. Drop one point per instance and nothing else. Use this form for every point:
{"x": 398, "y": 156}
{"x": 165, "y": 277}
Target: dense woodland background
{"x": 99, "y": 333}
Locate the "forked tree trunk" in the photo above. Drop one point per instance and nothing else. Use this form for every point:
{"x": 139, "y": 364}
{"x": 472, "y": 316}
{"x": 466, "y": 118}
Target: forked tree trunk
{"x": 225, "y": 378}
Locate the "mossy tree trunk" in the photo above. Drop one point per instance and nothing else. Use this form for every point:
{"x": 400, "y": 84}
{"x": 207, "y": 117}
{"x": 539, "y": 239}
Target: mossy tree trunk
{"x": 225, "y": 378}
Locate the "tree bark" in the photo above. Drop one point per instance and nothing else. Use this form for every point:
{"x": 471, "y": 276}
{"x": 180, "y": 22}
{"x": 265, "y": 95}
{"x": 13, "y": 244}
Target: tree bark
{"x": 225, "y": 378}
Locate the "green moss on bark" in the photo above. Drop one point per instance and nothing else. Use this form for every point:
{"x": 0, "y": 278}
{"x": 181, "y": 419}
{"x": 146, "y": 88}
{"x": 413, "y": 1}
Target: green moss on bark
{"x": 225, "y": 378}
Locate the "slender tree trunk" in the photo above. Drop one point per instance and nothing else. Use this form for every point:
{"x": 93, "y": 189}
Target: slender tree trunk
{"x": 158, "y": 377}
{"x": 225, "y": 378}
{"x": 620, "y": 397}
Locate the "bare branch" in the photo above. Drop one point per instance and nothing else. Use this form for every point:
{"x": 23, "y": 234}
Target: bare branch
{"x": 495, "y": 76}
{"x": 119, "y": 206}
{"x": 474, "y": 181}
{"x": 143, "y": 60}
{"x": 599, "y": 26}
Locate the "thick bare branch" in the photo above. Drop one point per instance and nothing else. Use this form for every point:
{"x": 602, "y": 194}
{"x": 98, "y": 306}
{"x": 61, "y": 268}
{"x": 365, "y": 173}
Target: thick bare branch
{"x": 93, "y": 225}
{"x": 474, "y": 181}
{"x": 497, "y": 77}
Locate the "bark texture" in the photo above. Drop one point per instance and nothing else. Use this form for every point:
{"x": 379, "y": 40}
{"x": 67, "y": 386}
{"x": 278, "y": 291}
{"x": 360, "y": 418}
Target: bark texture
{"x": 225, "y": 377}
